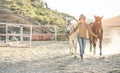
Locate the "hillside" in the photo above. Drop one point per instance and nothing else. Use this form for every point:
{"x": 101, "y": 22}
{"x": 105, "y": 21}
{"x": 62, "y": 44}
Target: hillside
{"x": 30, "y": 11}
{"x": 7, "y": 16}
{"x": 115, "y": 21}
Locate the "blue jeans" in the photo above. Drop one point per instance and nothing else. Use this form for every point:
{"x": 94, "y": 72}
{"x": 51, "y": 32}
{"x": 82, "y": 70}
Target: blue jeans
{"x": 82, "y": 44}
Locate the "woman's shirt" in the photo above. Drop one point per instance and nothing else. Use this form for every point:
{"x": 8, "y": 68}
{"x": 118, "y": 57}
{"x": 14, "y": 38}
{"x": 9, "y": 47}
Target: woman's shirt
{"x": 83, "y": 29}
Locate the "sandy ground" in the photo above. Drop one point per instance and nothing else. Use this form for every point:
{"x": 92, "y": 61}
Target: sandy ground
{"x": 54, "y": 57}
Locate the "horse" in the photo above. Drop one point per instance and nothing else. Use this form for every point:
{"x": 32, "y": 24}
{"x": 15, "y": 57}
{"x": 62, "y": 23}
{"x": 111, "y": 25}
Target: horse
{"x": 97, "y": 29}
{"x": 70, "y": 25}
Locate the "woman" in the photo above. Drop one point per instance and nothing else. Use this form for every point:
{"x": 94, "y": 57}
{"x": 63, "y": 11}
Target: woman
{"x": 83, "y": 29}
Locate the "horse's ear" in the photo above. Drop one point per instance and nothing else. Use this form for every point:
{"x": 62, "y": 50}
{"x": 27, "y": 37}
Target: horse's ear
{"x": 94, "y": 16}
{"x": 102, "y": 16}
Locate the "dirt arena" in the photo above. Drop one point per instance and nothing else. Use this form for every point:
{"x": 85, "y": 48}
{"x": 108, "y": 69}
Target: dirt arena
{"x": 54, "y": 57}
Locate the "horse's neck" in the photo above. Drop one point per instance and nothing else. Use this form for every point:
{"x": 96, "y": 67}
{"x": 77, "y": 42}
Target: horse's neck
{"x": 98, "y": 25}
{"x": 97, "y": 28}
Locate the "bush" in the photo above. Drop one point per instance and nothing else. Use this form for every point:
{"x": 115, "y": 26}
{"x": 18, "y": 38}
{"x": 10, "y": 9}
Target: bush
{"x": 62, "y": 38}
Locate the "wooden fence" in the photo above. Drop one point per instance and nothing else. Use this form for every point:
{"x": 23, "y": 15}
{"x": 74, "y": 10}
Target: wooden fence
{"x": 30, "y": 32}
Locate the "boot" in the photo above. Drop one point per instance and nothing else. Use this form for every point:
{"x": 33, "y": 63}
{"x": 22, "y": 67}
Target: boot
{"x": 81, "y": 57}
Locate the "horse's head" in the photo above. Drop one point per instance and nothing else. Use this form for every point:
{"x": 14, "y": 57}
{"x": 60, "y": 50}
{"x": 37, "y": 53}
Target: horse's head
{"x": 98, "y": 19}
{"x": 70, "y": 24}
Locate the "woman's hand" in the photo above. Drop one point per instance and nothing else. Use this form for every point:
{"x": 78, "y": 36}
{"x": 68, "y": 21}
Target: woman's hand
{"x": 96, "y": 36}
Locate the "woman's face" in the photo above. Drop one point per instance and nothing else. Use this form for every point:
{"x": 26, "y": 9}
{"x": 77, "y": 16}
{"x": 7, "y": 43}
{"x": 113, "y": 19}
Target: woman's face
{"x": 83, "y": 19}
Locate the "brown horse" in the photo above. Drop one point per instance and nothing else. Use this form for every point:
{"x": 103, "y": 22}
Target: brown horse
{"x": 97, "y": 29}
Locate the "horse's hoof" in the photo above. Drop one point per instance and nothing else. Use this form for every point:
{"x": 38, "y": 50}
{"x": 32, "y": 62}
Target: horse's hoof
{"x": 71, "y": 53}
{"x": 100, "y": 54}
{"x": 102, "y": 57}
{"x": 75, "y": 57}
{"x": 90, "y": 50}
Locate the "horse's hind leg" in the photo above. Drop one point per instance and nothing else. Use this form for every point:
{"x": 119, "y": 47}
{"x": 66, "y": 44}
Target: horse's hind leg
{"x": 90, "y": 40}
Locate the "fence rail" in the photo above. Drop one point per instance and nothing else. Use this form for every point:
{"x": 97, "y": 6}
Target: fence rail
{"x": 33, "y": 33}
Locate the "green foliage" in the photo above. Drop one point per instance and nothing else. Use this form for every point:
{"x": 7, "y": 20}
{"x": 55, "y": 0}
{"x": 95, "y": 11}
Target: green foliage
{"x": 62, "y": 38}
{"x": 35, "y": 9}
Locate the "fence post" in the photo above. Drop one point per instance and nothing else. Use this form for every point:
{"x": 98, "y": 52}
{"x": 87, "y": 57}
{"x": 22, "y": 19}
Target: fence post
{"x": 0, "y": 40}
{"x": 55, "y": 33}
{"x": 21, "y": 32}
{"x": 6, "y": 40}
{"x": 30, "y": 36}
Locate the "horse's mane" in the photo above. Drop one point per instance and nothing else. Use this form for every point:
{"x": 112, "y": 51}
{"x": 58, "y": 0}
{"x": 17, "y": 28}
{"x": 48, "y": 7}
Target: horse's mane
{"x": 91, "y": 23}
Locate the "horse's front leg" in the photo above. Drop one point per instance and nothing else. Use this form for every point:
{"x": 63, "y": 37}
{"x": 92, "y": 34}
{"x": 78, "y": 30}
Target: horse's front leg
{"x": 100, "y": 45}
{"x": 94, "y": 44}
{"x": 75, "y": 47}
{"x": 70, "y": 45}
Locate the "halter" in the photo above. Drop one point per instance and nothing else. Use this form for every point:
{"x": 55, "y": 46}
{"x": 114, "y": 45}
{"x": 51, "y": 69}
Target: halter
{"x": 71, "y": 25}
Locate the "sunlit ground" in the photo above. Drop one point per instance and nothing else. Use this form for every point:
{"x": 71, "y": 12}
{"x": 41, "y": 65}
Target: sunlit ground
{"x": 54, "y": 57}
{"x": 108, "y": 48}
